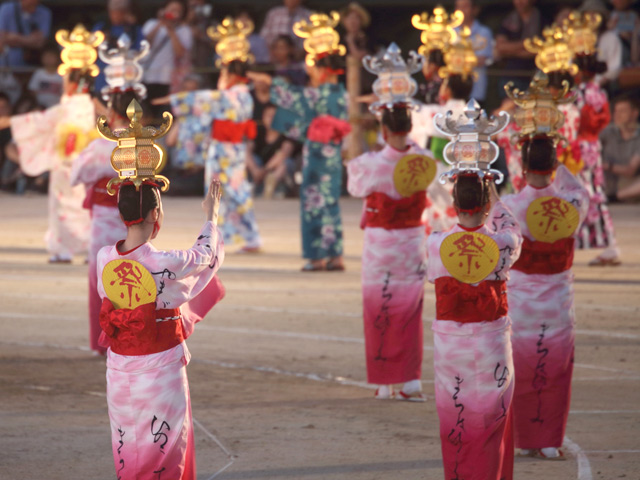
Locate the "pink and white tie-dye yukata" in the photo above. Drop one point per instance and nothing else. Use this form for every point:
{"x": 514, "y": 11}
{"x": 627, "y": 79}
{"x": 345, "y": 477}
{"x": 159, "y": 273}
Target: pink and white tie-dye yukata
{"x": 92, "y": 168}
{"x": 540, "y": 294}
{"x": 472, "y": 349}
{"x": 148, "y": 394}
{"x": 49, "y": 141}
{"x": 393, "y": 266}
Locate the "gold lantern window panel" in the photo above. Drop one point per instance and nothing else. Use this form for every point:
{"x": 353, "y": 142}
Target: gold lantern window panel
{"x": 79, "y": 50}
{"x": 438, "y": 30}
{"x": 460, "y": 57}
{"x": 320, "y": 36}
{"x": 137, "y": 158}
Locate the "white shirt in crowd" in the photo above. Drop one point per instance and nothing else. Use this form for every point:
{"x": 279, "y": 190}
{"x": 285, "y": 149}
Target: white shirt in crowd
{"x": 46, "y": 86}
{"x": 161, "y": 59}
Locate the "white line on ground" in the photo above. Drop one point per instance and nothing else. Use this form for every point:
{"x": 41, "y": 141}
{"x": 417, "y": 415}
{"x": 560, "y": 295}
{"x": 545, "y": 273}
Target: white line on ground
{"x": 612, "y": 451}
{"x": 602, "y": 412}
{"x": 230, "y": 456}
{"x": 604, "y": 369}
{"x": 584, "y": 468}
{"x": 604, "y": 333}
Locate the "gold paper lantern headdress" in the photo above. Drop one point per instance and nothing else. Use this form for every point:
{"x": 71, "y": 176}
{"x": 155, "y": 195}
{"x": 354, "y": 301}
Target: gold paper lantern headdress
{"x": 321, "y": 39}
{"x": 582, "y": 32}
{"x": 460, "y": 57}
{"x": 437, "y": 30}
{"x": 537, "y": 112}
{"x": 553, "y": 53}
{"x": 137, "y": 158}
{"x": 79, "y": 50}
{"x": 233, "y": 44}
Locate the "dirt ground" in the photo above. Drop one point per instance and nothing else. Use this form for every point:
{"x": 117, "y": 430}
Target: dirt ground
{"x": 278, "y": 376}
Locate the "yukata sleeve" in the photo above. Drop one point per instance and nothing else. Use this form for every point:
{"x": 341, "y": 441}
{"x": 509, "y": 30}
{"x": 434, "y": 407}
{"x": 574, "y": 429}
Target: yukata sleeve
{"x": 507, "y": 235}
{"x": 359, "y": 176}
{"x": 440, "y": 216}
{"x": 573, "y": 191}
{"x": 435, "y": 268}
{"x": 289, "y": 97}
{"x": 35, "y": 135}
{"x": 92, "y": 164}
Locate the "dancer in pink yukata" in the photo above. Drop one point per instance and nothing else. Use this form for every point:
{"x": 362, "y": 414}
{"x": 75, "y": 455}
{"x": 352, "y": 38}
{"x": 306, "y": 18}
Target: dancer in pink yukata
{"x": 469, "y": 266}
{"x": 550, "y": 212}
{"x": 151, "y": 302}
{"x": 393, "y": 182}
{"x": 92, "y": 167}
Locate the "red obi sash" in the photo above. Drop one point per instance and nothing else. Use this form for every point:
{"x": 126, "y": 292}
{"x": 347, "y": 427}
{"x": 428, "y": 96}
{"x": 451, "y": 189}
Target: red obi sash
{"x": 141, "y": 331}
{"x": 98, "y": 195}
{"x": 465, "y": 303}
{"x": 592, "y": 122}
{"x": 233, "y": 132}
{"x": 545, "y": 258}
{"x": 327, "y": 129}
{"x": 383, "y": 211}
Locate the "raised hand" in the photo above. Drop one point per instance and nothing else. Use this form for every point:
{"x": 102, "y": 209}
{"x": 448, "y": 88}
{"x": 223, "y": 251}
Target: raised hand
{"x": 211, "y": 202}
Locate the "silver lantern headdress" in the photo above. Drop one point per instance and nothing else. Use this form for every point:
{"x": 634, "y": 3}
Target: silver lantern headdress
{"x": 394, "y": 85}
{"x": 123, "y": 71}
{"x": 471, "y": 149}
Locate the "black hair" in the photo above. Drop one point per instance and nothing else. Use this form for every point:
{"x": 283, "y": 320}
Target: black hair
{"x": 119, "y": 102}
{"x": 398, "y": 119}
{"x": 283, "y": 37}
{"x": 470, "y": 192}
{"x": 52, "y": 47}
{"x": 5, "y": 97}
{"x": 539, "y": 155}
{"x": 558, "y": 76}
{"x": 589, "y": 65}
{"x": 334, "y": 62}
{"x": 460, "y": 87}
{"x": 436, "y": 57}
{"x": 134, "y": 205}
{"x": 182, "y": 3}
{"x": 629, "y": 98}
{"x": 237, "y": 67}
{"x": 77, "y": 76}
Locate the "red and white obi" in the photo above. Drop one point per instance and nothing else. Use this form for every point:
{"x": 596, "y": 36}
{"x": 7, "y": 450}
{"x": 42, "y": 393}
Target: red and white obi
{"x": 472, "y": 346}
{"x": 540, "y": 295}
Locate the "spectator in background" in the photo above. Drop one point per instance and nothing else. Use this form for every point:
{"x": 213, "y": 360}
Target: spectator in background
{"x": 171, "y": 42}
{"x": 355, "y": 19}
{"x": 25, "y": 26}
{"x": 259, "y": 47}
{"x": 282, "y": 51}
{"x": 121, "y": 19}
{"x": 621, "y": 146}
{"x": 199, "y": 19}
{"x": 280, "y": 20}
{"x": 609, "y": 45}
{"x": 482, "y": 41}
{"x": 46, "y": 83}
{"x": 523, "y": 22}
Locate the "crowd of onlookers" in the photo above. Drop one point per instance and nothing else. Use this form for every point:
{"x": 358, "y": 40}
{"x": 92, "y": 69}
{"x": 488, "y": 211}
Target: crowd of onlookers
{"x": 182, "y": 57}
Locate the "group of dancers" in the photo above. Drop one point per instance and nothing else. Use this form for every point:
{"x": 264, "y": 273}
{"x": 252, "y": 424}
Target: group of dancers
{"x": 504, "y": 324}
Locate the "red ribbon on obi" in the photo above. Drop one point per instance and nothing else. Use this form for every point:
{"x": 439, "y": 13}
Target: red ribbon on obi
{"x": 592, "y": 122}
{"x": 545, "y": 258}
{"x": 327, "y": 129}
{"x": 390, "y": 214}
{"x": 98, "y": 195}
{"x": 136, "y": 331}
{"x": 465, "y": 303}
{"x": 233, "y": 132}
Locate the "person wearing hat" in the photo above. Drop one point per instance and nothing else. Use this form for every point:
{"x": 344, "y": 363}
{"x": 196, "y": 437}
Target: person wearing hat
{"x": 550, "y": 209}
{"x": 470, "y": 266}
{"x": 151, "y": 301}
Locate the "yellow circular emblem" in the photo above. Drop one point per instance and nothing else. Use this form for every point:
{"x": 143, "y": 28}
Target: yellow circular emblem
{"x": 469, "y": 256}
{"x": 414, "y": 173}
{"x": 128, "y": 284}
{"x": 551, "y": 218}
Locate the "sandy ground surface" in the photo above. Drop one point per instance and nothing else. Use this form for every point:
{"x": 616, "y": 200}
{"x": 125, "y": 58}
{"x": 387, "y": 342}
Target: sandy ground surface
{"x": 278, "y": 375}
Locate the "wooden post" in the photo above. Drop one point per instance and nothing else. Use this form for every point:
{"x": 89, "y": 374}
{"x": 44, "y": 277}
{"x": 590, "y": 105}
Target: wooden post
{"x": 354, "y": 69}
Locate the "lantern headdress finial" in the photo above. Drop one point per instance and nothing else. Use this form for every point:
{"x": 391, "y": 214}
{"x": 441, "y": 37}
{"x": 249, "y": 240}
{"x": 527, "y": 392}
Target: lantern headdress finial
{"x": 471, "y": 149}
{"x": 137, "y": 158}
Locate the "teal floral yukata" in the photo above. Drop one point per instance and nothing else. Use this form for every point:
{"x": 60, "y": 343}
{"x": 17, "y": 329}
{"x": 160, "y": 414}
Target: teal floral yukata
{"x": 316, "y": 116}
{"x": 227, "y": 113}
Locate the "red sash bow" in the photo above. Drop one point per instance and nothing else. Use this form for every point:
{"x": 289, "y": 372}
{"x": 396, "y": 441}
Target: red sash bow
{"x": 390, "y": 214}
{"x": 545, "y": 258}
{"x": 136, "y": 332}
{"x": 233, "y": 132}
{"x": 327, "y": 129}
{"x": 465, "y": 303}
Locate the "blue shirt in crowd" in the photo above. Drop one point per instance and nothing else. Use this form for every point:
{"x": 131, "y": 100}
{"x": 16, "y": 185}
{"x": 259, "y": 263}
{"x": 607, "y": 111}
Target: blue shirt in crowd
{"x": 10, "y": 14}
